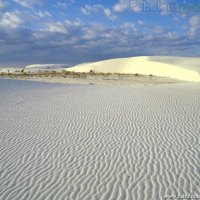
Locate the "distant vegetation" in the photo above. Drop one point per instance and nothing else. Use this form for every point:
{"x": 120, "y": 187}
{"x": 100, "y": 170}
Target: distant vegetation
{"x": 62, "y": 74}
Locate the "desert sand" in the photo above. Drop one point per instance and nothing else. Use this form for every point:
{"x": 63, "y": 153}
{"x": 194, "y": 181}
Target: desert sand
{"x": 180, "y": 68}
{"x": 91, "y": 78}
{"x": 126, "y": 71}
{"x": 83, "y": 142}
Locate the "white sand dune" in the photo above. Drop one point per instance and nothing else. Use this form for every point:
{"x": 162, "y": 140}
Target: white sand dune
{"x": 73, "y": 142}
{"x": 10, "y": 70}
{"x": 35, "y": 68}
{"x": 45, "y": 67}
{"x": 180, "y": 68}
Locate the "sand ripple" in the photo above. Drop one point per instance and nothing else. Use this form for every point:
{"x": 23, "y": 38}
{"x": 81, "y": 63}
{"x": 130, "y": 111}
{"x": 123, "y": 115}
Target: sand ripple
{"x": 96, "y": 142}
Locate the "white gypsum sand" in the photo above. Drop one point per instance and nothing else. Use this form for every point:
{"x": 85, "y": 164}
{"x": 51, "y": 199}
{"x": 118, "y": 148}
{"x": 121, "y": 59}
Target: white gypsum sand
{"x": 78, "y": 142}
{"x": 155, "y": 68}
{"x": 45, "y": 67}
{"x": 180, "y": 68}
{"x": 35, "y": 68}
{"x": 10, "y": 70}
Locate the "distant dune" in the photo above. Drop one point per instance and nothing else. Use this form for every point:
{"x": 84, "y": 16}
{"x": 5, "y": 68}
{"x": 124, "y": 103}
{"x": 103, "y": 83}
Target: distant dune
{"x": 46, "y": 66}
{"x": 180, "y": 68}
{"x": 35, "y": 68}
{"x": 10, "y": 70}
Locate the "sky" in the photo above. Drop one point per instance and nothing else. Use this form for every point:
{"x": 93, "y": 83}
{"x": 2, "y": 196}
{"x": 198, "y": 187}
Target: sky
{"x": 76, "y": 31}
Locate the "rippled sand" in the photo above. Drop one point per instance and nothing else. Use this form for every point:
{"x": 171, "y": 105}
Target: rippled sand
{"x": 98, "y": 142}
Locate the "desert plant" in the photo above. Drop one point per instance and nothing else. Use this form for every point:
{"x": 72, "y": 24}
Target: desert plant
{"x": 66, "y": 72}
{"x": 92, "y": 72}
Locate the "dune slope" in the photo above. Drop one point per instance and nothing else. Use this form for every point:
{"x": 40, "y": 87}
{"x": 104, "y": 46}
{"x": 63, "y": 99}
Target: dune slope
{"x": 186, "y": 69}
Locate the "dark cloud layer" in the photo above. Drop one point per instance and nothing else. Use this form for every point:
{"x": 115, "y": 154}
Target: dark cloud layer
{"x": 25, "y": 46}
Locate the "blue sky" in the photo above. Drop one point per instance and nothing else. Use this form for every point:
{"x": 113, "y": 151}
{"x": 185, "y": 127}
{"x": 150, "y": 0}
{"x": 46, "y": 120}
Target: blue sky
{"x": 72, "y": 31}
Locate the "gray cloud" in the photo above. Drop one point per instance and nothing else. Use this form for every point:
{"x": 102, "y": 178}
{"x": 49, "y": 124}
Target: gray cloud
{"x": 83, "y": 42}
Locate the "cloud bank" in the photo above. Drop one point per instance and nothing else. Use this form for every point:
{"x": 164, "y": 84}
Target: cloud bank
{"x": 30, "y": 33}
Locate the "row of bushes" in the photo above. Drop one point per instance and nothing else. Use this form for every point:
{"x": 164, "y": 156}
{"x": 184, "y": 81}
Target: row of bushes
{"x": 64, "y": 73}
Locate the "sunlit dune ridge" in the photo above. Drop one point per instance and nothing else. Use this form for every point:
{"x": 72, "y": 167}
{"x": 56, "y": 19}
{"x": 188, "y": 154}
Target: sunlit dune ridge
{"x": 180, "y": 68}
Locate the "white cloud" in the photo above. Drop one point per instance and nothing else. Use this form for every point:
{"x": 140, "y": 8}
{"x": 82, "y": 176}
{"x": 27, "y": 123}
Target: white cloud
{"x": 141, "y": 22}
{"x": 109, "y": 14}
{"x": 90, "y": 9}
{"x": 11, "y": 20}
{"x": 122, "y": 5}
{"x": 43, "y": 14}
{"x": 98, "y": 8}
{"x": 92, "y": 30}
{"x": 194, "y": 25}
{"x": 65, "y": 5}
{"x": 27, "y": 3}
{"x": 75, "y": 23}
{"x": 165, "y": 7}
{"x": 57, "y": 27}
{"x": 128, "y": 28}
{"x": 129, "y": 25}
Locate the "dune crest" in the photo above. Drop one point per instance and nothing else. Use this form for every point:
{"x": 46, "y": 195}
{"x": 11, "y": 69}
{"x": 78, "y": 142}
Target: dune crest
{"x": 180, "y": 68}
